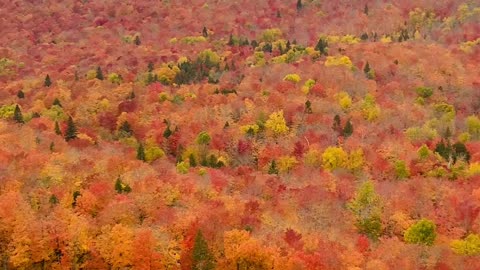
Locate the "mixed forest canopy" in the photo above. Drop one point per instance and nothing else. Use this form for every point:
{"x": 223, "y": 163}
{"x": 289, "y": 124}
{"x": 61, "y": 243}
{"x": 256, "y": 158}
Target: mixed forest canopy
{"x": 276, "y": 134}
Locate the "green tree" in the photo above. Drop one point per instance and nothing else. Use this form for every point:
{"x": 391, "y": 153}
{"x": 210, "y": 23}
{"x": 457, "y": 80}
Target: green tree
{"x": 202, "y": 258}
{"x": 322, "y": 46}
{"x": 141, "y": 152}
{"x": 57, "y": 102}
{"x": 192, "y": 160}
{"x": 53, "y": 199}
{"x": 308, "y": 107}
{"x": 401, "y": 169}
{"x": 366, "y": 69}
{"x": 422, "y": 232}
{"x": 424, "y": 92}
{"x": 150, "y": 66}
{"x": 71, "y": 132}
{"x": 47, "y": 81}
{"x": 125, "y": 129}
{"x": 348, "y": 129}
{"x": 57, "y": 129}
{"x": 17, "y": 115}
{"x": 121, "y": 187}
{"x": 367, "y": 208}
{"x": 205, "y": 32}
{"x": 20, "y": 94}
{"x": 99, "y": 74}
{"x": 203, "y": 138}
{"x": 461, "y": 151}
{"x": 299, "y": 5}
{"x": 137, "y": 41}
{"x": 337, "y": 123}
{"x": 365, "y": 9}
{"x": 273, "y": 168}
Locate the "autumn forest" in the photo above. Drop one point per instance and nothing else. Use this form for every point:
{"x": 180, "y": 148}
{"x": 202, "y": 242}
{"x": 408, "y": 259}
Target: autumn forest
{"x": 239, "y": 135}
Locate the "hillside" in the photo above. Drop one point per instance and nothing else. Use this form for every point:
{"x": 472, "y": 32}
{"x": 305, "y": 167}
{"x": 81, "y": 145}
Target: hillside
{"x": 240, "y": 135}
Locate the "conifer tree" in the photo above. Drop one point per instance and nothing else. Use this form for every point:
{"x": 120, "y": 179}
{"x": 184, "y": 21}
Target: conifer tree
{"x": 57, "y": 102}
{"x": 17, "y": 115}
{"x": 137, "y": 41}
{"x": 141, "y": 152}
{"x": 47, "y": 81}
{"x": 308, "y": 107}
{"x": 204, "y": 32}
{"x": 202, "y": 257}
{"x": 299, "y": 5}
{"x": 20, "y": 94}
{"x": 150, "y": 66}
{"x": 337, "y": 122}
{"x": 322, "y": 46}
{"x": 366, "y": 69}
{"x": 365, "y": 9}
{"x": 71, "y": 132}
{"x": 273, "y": 168}
{"x": 348, "y": 129}
{"x": 57, "y": 129}
{"x": 125, "y": 129}
{"x": 99, "y": 74}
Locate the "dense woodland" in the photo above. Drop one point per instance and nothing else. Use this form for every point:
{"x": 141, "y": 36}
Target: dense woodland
{"x": 242, "y": 135}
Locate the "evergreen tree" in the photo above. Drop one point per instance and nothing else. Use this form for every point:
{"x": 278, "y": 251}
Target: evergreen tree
{"x": 299, "y": 5}
{"x": 141, "y": 152}
{"x": 254, "y": 44}
{"x": 168, "y": 132}
{"x": 364, "y": 36}
{"x": 131, "y": 95}
{"x": 289, "y": 46}
{"x": 57, "y": 102}
{"x": 204, "y": 32}
{"x": 461, "y": 152}
{"x": 17, "y": 115}
{"x": 20, "y": 94}
{"x": 125, "y": 129}
{"x": 76, "y": 194}
{"x": 47, "y": 81}
{"x": 52, "y": 146}
{"x": 322, "y": 46}
{"x": 150, "y": 66}
{"x": 53, "y": 199}
{"x": 71, "y": 132}
{"x": 118, "y": 185}
{"x": 99, "y": 74}
{"x": 192, "y": 161}
{"x": 337, "y": 123}
{"x": 366, "y": 69}
{"x": 230, "y": 41}
{"x": 273, "y": 168}
{"x": 448, "y": 133}
{"x": 57, "y": 129}
{"x": 202, "y": 257}
{"x": 278, "y": 14}
{"x": 137, "y": 41}
{"x": 348, "y": 129}
{"x": 308, "y": 107}
{"x": 365, "y": 9}
{"x": 443, "y": 150}
{"x": 226, "y": 125}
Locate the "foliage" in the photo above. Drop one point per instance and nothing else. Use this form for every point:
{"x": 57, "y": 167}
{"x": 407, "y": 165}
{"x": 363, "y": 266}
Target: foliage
{"x": 473, "y": 126}
{"x": 7, "y": 111}
{"x": 367, "y": 208}
{"x": 422, "y": 232}
{"x": 286, "y": 163}
{"x": 333, "y": 158}
{"x": 424, "y": 92}
{"x": 71, "y": 132}
{"x": 270, "y": 35}
{"x": 153, "y": 153}
{"x": 203, "y": 138}
{"x": 470, "y": 246}
{"x": 401, "y": 169}
{"x": 202, "y": 257}
{"x": 333, "y": 61}
{"x": 295, "y": 78}
{"x": 115, "y": 78}
{"x": 344, "y": 100}
{"x": 276, "y": 123}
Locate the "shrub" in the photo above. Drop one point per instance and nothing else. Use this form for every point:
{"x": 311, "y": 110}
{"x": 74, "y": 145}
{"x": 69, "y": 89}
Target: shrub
{"x": 423, "y": 232}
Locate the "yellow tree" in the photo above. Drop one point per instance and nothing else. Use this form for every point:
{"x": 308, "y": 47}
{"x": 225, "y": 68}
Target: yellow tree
{"x": 276, "y": 123}
{"x": 115, "y": 246}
